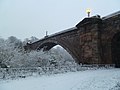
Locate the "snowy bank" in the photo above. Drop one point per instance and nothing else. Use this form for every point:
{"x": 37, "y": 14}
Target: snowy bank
{"x": 83, "y": 80}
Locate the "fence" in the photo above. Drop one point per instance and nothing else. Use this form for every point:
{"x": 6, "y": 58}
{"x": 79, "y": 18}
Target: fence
{"x": 13, "y": 73}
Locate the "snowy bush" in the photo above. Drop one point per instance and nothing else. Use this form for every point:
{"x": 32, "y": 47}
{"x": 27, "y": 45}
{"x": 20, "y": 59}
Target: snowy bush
{"x": 12, "y": 55}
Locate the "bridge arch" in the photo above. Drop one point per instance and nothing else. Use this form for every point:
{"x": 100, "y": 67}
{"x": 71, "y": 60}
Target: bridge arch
{"x": 47, "y": 45}
{"x": 115, "y": 48}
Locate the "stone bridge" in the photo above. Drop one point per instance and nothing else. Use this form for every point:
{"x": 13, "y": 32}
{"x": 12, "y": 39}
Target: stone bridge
{"x": 94, "y": 40}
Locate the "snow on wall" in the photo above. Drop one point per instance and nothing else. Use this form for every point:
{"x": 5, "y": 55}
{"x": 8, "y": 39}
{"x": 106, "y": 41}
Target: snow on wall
{"x": 111, "y": 15}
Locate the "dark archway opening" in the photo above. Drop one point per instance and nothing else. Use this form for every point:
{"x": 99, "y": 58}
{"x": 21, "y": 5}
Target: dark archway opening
{"x": 116, "y": 50}
{"x": 51, "y": 45}
{"x": 58, "y": 55}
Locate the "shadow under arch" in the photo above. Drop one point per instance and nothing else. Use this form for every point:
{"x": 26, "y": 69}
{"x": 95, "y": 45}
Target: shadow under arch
{"x": 115, "y": 48}
{"x": 47, "y": 45}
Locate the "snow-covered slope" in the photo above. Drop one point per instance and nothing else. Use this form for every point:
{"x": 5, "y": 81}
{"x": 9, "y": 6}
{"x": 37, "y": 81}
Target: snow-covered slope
{"x": 83, "y": 80}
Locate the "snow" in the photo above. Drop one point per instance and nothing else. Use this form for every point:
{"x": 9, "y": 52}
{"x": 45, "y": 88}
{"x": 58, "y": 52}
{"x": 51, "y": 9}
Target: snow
{"x": 106, "y": 79}
{"x": 64, "y": 31}
{"x": 111, "y": 15}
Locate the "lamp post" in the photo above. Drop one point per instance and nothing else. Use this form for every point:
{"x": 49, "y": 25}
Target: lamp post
{"x": 46, "y": 33}
{"x": 88, "y": 12}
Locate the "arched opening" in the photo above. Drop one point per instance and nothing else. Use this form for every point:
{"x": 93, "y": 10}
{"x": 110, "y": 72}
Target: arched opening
{"x": 65, "y": 50}
{"x": 58, "y": 56}
{"x": 116, "y": 50}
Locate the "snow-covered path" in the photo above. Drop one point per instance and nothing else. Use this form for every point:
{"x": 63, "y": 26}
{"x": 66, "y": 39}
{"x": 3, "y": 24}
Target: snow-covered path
{"x": 83, "y": 80}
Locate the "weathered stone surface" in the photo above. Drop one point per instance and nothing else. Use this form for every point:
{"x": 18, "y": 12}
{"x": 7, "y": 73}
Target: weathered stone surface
{"x": 92, "y": 41}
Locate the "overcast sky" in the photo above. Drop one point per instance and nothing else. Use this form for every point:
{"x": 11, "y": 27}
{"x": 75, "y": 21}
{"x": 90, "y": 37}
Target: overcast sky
{"x": 26, "y": 18}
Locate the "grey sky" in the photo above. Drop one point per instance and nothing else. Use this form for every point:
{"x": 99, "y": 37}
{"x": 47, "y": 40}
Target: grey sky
{"x": 26, "y": 18}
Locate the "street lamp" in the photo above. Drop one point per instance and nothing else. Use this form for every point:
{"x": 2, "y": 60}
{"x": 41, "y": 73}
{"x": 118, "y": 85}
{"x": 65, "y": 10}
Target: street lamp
{"x": 88, "y": 12}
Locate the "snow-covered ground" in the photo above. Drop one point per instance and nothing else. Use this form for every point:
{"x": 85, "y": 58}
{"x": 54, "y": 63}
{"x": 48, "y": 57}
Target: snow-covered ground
{"x": 108, "y": 79}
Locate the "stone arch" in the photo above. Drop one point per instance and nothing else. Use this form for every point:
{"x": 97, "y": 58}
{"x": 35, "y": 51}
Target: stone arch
{"x": 115, "y": 48}
{"x": 47, "y": 45}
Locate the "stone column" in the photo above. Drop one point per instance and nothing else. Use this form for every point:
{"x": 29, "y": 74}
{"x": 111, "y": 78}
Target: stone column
{"x": 89, "y": 30}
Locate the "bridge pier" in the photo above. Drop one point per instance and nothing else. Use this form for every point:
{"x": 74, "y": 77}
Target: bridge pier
{"x": 90, "y": 40}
